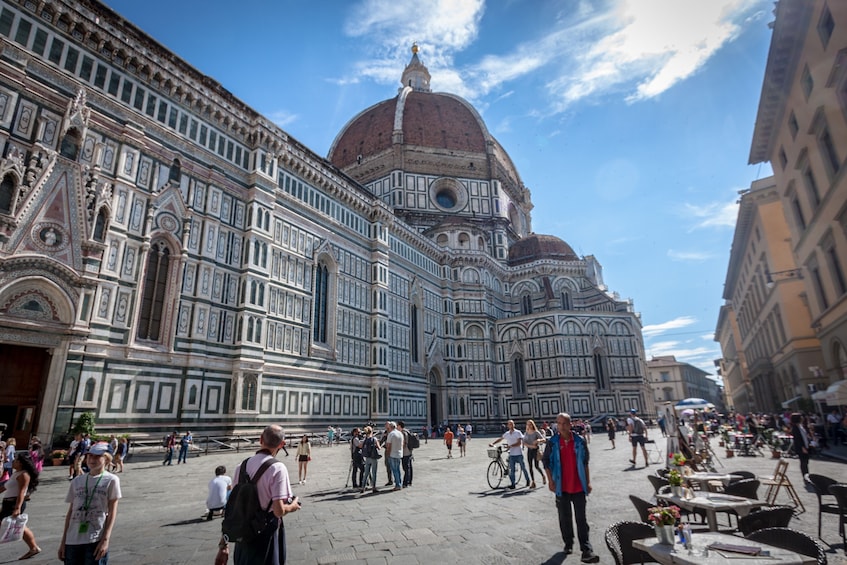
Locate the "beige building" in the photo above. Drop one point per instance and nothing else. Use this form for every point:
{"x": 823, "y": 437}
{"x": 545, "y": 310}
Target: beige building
{"x": 672, "y": 381}
{"x": 768, "y": 344}
{"x": 801, "y": 129}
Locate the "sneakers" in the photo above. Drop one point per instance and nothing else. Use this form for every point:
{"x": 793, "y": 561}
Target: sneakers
{"x": 590, "y": 557}
{"x": 568, "y": 549}
{"x": 532, "y": 485}
{"x": 512, "y": 487}
{"x": 389, "y": 483}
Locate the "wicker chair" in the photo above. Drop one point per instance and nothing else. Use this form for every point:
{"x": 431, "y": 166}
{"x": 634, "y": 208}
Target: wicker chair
{"x": 743, "y": 475}
{"x": 619, "y": 538}
{"x": 821, "y": 485}
{"x": 839, "y": 491}
{"x": 748, "y": 488}
{"x": 765, "y": 517}
{"x": 642, "y": 507}
{"x": 792, "y": 540}
{"x": 660, "y": 485}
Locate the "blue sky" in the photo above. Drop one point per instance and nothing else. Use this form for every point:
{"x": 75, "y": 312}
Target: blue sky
{"x": 629, "y": 120}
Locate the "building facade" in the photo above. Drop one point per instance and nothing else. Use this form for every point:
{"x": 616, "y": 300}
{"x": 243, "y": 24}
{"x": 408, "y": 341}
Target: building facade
{"x": 791, "y": 303}
{"x": 672, "y": 381}
{"x": 169, "y": 257}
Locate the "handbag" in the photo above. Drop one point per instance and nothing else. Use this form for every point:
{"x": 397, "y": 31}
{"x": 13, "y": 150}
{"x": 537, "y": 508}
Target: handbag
{"x": 538, "y": 455}
{"x": 12, "y": 529}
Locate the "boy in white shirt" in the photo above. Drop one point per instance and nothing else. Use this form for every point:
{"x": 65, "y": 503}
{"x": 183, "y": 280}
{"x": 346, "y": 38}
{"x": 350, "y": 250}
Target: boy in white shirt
{"x": 219, "y": 488}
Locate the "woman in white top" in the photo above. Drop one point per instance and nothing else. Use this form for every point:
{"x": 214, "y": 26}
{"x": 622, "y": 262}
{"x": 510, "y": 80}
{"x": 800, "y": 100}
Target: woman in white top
{"x": 532, "y": 440}
{"x": 304, "y": 455}
{"x": 23, "y": 481}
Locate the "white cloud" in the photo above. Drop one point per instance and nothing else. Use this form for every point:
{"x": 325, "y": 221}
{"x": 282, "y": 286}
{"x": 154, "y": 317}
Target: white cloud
{"x": 652, "y": 330}
{"x": 712, "y": 215}
{"x": 690, "y": 256}
{"x": 709, "y": 336}
{"x": 282, "y": 118}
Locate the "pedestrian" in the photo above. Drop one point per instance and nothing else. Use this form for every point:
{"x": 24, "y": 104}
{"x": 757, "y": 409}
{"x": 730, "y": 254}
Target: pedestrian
{"x": 357, "y": 462}
{"x": 514, "y": 440}
{"x": 801, "y": 443}
{"x": 532, "y": 440}
{"x": 274, "y": 489}
{"x": 170, "y": 445}
{"x": 9, "y": 457}
{"x": 304, "y": 455}
{"x": 283, "y": 446}
{"x": 637, "y": 430}
{"x": 219, "y": 488}
{"x": 394, "y": 452}
{"x": 611, "y": 429}
{"x": 406, "y": 459}
{"x": 566, "y": 464}
{"x": 120, "y": 455}
{"x": 75, "y": 452}
{"x": 184, "y": 445}
{"x": 92, "y": 508}
{"x": 462, "y": 439}
{"x": 370, "y": 452}
{"x": 448, "y": 441}
{"x": 330, "y": 435}
{"x": 36, "y": 451}
{"x": 662, "y": 426}
{"x": 468, "y": 430}
{"x": 16, "y": 491}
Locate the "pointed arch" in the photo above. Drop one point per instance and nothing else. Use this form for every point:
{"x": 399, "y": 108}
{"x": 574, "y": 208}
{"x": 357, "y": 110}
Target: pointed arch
{"x": 101, "y": 225}
{"x": 71, "y": 142}
{"x": 324, "y": 301}
{"x": 8, "y": 187}
{"x": 154, "y": 291}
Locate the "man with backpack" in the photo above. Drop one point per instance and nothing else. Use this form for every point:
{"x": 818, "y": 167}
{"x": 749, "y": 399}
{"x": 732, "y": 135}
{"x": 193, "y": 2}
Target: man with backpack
{"x": 357, "y": 461}
{"x": 637, "y": 430}
{"x": 410, "y": 442}
{"x": 260, "y": 498}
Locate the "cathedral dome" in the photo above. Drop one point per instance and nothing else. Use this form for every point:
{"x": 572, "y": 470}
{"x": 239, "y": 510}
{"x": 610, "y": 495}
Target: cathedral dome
{"x": 535, "y": 246}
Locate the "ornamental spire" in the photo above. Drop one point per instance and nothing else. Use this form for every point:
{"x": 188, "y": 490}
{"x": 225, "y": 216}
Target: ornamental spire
{"x": 416, "y": 75}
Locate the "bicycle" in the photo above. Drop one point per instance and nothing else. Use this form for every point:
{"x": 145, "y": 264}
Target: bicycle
{"x": 497, "y": 469}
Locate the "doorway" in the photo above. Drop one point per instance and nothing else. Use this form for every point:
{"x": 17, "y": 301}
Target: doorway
{"x": 24, "y": 370}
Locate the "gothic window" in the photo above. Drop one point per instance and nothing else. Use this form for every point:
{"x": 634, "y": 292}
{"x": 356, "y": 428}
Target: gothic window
{"x": 518, "y": 378}
{"x": 248, "y": 393}
{"x": 100, "y": 225}
{"x": 7, "y": 193}
{"x": 88, "y": 393}
{"x": 192, "y": 394}
{"x": 566, "y": 300}
{"x": 70, "y": 144}
{"x": 415, "y": 334}
{"x": 321, "y": 296}
{"x": 175, "y": 172}
{"x": 154, "y": 292}
{"x": 599, "y": 372}
{"x": 526, "y": 304}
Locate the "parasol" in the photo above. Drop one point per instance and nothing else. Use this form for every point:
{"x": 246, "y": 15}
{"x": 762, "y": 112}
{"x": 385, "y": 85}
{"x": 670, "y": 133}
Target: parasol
{"x": 692, "y": 403}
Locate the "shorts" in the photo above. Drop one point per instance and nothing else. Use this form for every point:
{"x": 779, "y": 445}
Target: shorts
{"x": 637, "y": 440}
{"x": 303, "y": 458}
{"x": 9, "y": 507}
{"x": 449, "y": 445}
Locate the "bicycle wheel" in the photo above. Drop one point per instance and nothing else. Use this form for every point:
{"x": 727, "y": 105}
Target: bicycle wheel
{"x": 495, "y": 474}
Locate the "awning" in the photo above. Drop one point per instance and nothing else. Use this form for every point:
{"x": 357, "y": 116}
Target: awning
{"x": 836, "y": 394}
{"x": 820, "y": 396}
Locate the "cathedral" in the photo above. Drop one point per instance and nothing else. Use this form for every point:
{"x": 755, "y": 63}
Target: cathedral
{"x": 169, "y": 258}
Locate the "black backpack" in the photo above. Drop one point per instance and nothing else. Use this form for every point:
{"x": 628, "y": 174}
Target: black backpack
{"x": 412, "y": 440}
{"x": 244, "y": 518}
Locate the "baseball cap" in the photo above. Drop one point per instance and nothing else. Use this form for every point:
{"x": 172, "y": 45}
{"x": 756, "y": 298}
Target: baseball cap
{"x": 99, "y": 448}
{"x": 632, "y": 410}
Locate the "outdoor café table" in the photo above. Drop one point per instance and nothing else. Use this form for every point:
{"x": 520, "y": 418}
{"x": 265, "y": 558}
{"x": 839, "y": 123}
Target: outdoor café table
{"x": 704, "y": 479}
{"x": 712, "y": 503}
{"x": 700, "y": 554}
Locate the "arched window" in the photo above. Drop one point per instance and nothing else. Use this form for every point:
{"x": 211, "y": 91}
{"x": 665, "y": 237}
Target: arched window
{"x": 599, "y": 372}
{"x": 526, "y": 304}
{"x": 518, "y": 378}
{"x": 70, "y": 144}
{"x": 192, "y": 394}
{"x": 321, "y": 296}
{"x": 154, "y": 292}
{"x": 414, "y": 337}
{"x": 175, "y": 172}
{"x": 7, "y": 193}
{"x": 100, "y": 225}
{"x": 566, "y": 300}
{"x": 88, "y": 393}
{"x": 248, "y": 393}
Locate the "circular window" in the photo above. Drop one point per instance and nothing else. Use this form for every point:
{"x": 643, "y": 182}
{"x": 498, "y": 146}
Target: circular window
{"x": 446, "y": 198}
{"x": 448, "y": 194}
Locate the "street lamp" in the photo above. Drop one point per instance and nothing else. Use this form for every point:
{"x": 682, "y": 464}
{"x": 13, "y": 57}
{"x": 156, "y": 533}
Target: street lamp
{"x": 786, "y": 274}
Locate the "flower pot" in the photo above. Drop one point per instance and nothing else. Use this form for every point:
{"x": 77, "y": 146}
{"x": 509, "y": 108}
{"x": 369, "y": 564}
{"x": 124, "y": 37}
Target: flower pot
{"x": 676, "y": 490}
{"x": 730, "y": 453}
{"x": 776, "y": 454}
{"x": 665, "y": 534}
{"x": 721, "y": 443}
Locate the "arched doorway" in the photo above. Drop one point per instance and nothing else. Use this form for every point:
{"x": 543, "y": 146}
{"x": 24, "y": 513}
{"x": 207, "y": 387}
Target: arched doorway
{"x": 437, "y": 400}
{"x": 21, "y": 388}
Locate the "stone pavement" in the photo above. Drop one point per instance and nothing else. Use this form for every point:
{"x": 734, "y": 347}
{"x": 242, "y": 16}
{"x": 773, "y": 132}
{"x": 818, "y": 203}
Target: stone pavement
{"x": 448, "y": 516}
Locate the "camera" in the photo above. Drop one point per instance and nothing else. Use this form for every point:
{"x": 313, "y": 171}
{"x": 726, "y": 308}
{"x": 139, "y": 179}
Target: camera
{"x": 291, "y": 499}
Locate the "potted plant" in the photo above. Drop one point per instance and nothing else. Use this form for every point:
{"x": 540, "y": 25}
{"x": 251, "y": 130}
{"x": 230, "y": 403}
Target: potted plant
{"x": 677, "y": 460}
{"x": 675, "y": 481}
{"x": 726, "y": 441}
{"x": 663, "y": 519}
{"x": 772, "y": 440}
{"x": 57, "y": 457}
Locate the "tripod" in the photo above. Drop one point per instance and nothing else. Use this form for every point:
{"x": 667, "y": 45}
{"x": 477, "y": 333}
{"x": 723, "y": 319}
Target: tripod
{"x": 349, "y": 474}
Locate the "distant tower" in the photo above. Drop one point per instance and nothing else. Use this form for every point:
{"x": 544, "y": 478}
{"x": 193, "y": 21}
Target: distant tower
{"x": 416, "y": 74}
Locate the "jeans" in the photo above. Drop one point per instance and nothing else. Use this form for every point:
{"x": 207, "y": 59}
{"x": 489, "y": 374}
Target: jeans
{"x": 169, "y": 456}
{"x": 394, "y": 462}
{"x": 84, "y": 555}
{"x": 183, "y": 454}
{"x": 514, "y": 460}
{"x": 267, "y": 549}
{"x": 370, "y": 472}
{"x": 407, "y": 470}
{"x": 358, "y": 471}
{"x": 563, "y": 504}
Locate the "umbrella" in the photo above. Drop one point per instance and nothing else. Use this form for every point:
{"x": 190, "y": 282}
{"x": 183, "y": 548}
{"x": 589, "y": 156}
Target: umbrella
{"x": 687, "y": 412}
{"x": 836, "y": 393}
{"x": 693, "y": 403}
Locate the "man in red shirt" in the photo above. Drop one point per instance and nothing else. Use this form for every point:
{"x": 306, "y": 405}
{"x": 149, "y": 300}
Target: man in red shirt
{"x": 566, "y": 464}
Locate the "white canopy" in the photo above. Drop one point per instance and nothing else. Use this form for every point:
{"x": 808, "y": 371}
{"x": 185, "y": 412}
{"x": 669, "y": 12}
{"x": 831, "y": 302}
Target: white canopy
{"x": 836, "y": 394}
